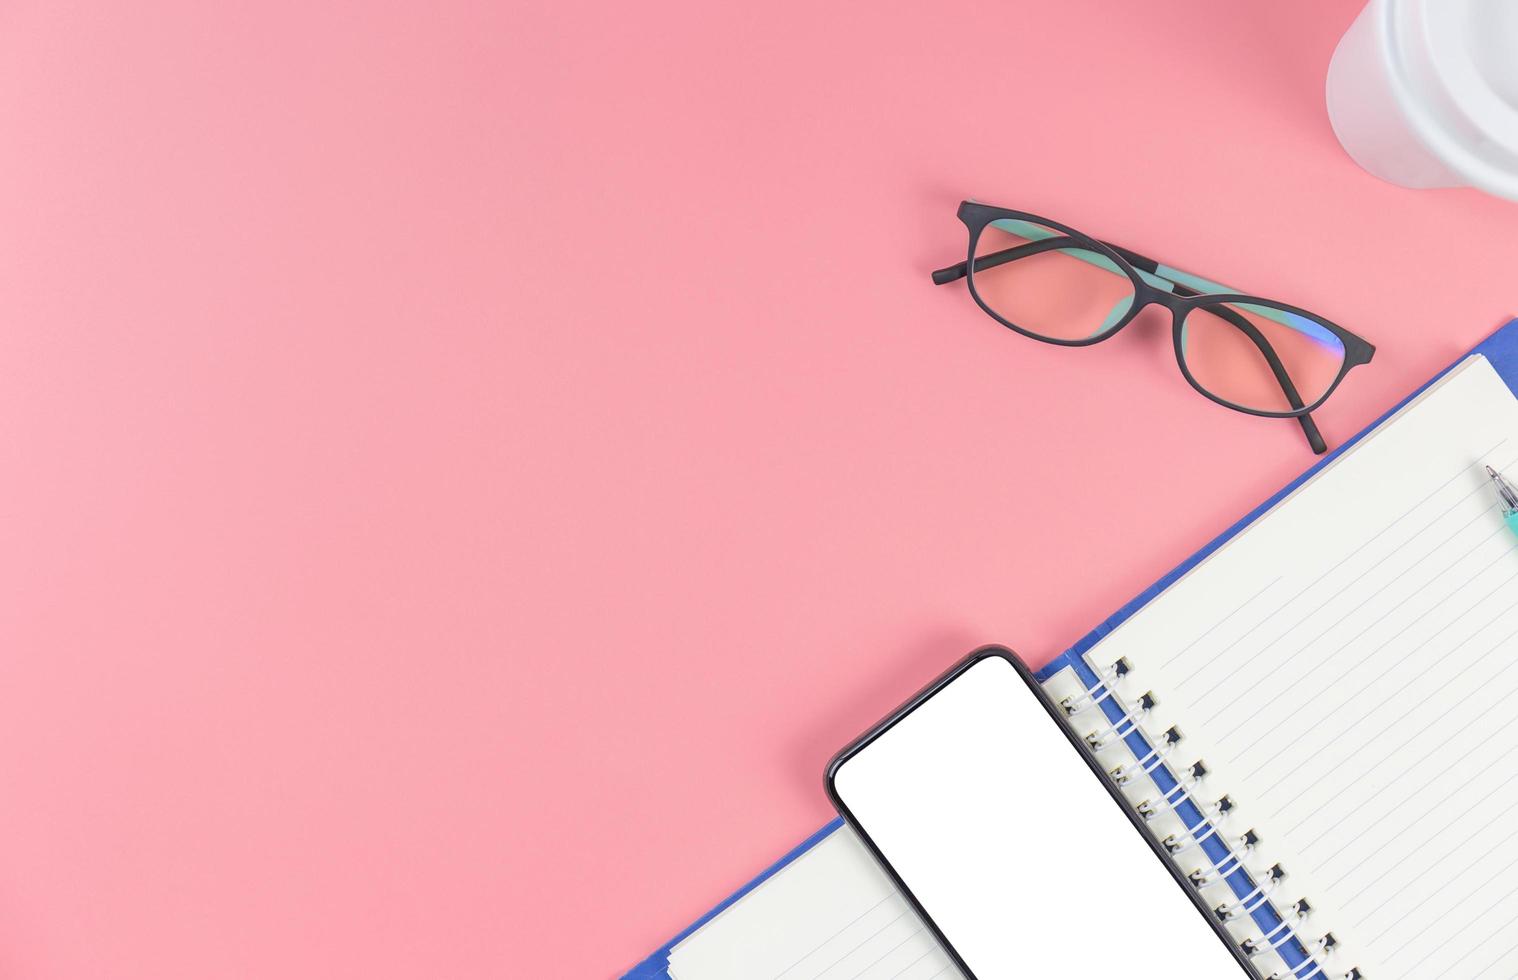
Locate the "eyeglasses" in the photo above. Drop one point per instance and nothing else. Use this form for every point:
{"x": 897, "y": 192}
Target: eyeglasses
{"x": 1052, "y": 283}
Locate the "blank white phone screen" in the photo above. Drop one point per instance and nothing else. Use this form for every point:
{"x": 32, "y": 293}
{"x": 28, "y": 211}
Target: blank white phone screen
{"x": 1015, "y": 849}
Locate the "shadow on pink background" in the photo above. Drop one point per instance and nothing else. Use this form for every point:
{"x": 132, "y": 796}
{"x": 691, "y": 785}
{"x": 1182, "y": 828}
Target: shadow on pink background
{"x": 468, "y": 465}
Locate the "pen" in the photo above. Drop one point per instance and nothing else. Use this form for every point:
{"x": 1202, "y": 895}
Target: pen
{"x": 1507, "y": 497}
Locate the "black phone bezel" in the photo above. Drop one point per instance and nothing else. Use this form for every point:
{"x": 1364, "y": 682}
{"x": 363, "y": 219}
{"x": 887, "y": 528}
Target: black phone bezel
{"x": 1084, "y": 751}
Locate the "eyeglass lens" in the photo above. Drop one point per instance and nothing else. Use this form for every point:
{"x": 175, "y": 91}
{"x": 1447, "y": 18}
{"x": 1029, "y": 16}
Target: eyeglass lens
{"x": 1250, "y": 355}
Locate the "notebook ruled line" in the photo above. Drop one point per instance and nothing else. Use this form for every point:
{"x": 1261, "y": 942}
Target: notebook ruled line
{"x": 1326, "y": 659}
{"x": 925, "y": 954}
{"x": 1269, "y": 647}
{"x": 1238, "y": 609}
{"x": 1335, "y": 567}
{"x": 1469, "y": 951}
{"x": 1361, "y": 605}
{"x": 858, "y": 946}
{"x": 1470, "y": 922}
{"x": 841, "y": 930}
{"x": 1393, "y": 753}
{"x": 1437, "y": 865}
{"x": 1508, "y": 952}
{"x": 1413, "y": 768}
{"x": 1417, "y": 792}
{"x": 1307, "y": 701}
{"x": 871, "y": 965}
{"x": 1387, "y": 670}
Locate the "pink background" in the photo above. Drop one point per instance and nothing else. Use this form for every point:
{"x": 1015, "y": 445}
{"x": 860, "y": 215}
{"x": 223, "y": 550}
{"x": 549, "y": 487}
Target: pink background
{"x": 468, "y": 465}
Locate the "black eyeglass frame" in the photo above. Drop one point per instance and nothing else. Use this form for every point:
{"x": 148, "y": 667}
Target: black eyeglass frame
{"x": 1180, "y": 301}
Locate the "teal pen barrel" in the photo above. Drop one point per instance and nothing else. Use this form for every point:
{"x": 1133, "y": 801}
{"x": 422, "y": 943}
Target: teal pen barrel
{"x": 1512, "y": 521}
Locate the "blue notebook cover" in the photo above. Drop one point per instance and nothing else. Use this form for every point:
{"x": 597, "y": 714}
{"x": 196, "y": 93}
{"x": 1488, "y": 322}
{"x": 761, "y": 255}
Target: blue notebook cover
{"x": 1501, "y": 349}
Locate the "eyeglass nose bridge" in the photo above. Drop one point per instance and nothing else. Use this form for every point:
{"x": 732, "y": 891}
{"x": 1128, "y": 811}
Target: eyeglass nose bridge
{"x": 1143, "y": 296}
{"x": 1146, "y": 293}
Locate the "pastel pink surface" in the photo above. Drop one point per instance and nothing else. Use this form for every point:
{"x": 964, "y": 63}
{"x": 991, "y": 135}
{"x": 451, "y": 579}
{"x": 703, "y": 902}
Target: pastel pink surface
{"x": 469, "y": 465}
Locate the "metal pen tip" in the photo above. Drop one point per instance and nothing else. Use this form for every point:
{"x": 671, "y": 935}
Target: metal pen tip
{"x": 1507, "y": 495}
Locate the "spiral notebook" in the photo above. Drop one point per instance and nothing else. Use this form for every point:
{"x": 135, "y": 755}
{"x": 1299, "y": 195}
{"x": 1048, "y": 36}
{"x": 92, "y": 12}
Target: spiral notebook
{"x": 1316, "y": 715}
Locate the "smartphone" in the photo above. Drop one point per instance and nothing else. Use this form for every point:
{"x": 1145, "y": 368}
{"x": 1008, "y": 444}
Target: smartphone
{"x": 1000, "y": 828}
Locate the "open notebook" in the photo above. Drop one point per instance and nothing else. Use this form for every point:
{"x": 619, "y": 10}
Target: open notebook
{"x": 1347, "y": 668}
{"x": 1318, "y": 714}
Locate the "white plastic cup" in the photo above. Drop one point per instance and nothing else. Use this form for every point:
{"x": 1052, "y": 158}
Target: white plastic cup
{"x": 1424, "y": 93}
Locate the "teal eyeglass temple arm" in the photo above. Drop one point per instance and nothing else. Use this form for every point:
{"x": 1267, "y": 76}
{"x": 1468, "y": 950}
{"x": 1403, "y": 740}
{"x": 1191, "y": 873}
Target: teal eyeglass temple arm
{"x": 1164, "y": 278}
{"x": 1156, "y": 274}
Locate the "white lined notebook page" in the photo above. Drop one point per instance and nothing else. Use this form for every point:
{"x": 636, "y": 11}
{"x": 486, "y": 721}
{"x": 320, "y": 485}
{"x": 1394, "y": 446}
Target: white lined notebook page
{"x": 1347, "y": 668}
{"x": 831, "y": 914}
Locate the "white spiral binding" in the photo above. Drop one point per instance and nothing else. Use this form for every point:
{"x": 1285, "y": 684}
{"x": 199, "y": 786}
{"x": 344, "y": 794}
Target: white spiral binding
{"x": 1114, "y": 732}
{"x": 1262, "y": 891}
{"x": 1214, "y": 815}
{"x": 1273, "y": 942}
{"x": 1216, "y": 869}
{"x": 1183, "y": 787}
{"x": 1108, "y": 676}
{"x": 1265, "y": 881}
{"x": 1143, "y": 767}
